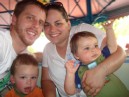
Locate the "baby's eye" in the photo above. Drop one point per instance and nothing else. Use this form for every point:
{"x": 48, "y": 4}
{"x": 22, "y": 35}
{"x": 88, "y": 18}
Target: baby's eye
{"x": 87, "y": 48}
{"x": 96, "y": 46}
{"x": 34, "y": 77}
{"x": 22, "y": 77}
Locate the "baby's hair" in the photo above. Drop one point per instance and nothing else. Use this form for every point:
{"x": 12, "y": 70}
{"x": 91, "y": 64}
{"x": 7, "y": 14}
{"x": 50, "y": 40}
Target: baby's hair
{"x": 76, "y": 37}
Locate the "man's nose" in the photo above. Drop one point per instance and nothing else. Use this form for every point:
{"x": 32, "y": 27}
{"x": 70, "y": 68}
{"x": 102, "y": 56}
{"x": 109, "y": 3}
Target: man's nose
{"x": 36, "y": 23}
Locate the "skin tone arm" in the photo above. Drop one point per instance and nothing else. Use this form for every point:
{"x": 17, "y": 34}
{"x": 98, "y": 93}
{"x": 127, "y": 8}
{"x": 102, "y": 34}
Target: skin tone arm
{"x": 94, "y": 80}
{"x": 69, "y": 84}
{"x": 48, "y": 87}
{"x": 110, "y": 36}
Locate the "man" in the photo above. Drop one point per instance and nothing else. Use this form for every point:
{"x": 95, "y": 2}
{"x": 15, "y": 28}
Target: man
{"x": 27, "y": 24}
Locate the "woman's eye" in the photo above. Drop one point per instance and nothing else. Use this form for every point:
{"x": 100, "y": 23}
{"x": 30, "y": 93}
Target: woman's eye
{"x": 46, "y": 24}
{"x": 58, "y": 24}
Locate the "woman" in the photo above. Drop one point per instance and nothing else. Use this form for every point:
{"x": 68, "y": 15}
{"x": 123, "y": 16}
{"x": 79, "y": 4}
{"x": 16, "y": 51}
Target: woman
{"x": 59, "y": 31}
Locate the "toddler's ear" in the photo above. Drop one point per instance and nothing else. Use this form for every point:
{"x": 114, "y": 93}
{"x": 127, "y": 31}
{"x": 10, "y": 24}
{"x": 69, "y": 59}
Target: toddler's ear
{"x": 12, "y": 79}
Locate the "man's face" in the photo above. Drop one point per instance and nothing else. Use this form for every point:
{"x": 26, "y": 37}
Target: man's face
{"x": 29, "y": 25}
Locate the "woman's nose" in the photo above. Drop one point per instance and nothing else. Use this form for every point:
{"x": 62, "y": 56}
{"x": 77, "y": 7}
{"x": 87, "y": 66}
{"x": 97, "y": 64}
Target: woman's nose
{"x": 53, "y": 28}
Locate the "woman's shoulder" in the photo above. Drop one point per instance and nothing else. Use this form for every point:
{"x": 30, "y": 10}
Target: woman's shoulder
{"x": 49, "y": 45}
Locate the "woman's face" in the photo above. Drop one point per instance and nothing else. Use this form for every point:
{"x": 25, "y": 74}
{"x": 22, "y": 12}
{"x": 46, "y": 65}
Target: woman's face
{"x": 56, "y": 28}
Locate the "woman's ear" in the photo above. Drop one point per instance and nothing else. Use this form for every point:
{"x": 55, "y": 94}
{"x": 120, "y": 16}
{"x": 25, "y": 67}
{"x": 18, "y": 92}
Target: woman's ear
{"x": 69, "y": 23}
{"x": 12, "y": 79}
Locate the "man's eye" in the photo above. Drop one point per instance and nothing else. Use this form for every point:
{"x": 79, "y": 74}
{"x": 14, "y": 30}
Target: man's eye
{"x": 29, "y": 17}
{"x": 41, "y": 23}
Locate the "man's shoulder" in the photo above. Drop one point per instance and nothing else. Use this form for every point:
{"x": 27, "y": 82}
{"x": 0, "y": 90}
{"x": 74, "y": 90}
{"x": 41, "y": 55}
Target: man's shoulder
{"x": 4, "y": 32}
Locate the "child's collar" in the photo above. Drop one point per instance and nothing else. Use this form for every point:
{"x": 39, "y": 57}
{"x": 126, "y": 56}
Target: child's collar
{"x": 20, "y": 94}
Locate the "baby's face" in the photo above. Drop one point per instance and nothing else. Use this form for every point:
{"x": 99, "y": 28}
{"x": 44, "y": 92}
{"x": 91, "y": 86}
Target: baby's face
{"x": 88, "y": 50}
{"x": 25, "y": 78}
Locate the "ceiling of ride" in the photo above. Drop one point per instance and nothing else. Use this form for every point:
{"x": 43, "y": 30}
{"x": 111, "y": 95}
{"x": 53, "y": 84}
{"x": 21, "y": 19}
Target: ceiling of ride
{"x": 76, "y": 9}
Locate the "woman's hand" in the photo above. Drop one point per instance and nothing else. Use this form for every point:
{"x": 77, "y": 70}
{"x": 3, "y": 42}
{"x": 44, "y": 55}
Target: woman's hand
{"x": 93, "y": 81}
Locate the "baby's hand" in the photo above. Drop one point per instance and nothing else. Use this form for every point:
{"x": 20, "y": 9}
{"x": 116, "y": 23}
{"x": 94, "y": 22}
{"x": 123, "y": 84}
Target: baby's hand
{"x": 108, "y": 24}
{"x": 70, "y": 67}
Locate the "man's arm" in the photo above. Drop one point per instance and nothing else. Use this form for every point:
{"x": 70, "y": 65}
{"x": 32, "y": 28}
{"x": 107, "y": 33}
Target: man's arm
{"x": 48, "y": 87}
{"x": 94, "y": 80}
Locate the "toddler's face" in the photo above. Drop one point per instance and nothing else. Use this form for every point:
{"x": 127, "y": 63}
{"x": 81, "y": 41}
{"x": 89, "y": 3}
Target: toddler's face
{"x": 25, "y": 78}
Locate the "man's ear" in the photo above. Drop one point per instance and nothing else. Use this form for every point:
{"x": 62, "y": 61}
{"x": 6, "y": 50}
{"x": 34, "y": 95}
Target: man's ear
{"x": 12, "y": 79}
{"x": 14, "y": 19}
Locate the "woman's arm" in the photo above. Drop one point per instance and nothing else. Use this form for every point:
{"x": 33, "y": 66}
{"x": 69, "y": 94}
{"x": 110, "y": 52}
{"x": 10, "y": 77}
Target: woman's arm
{"x": 94, "y": 80}
{"x": 48, "y": 87}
